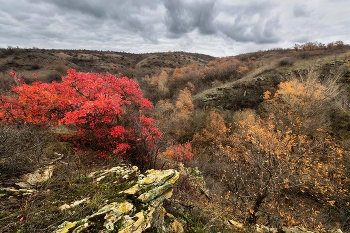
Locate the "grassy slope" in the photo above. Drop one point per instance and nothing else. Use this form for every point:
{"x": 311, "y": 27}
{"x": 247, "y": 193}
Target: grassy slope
{"x": 267, "y": 68}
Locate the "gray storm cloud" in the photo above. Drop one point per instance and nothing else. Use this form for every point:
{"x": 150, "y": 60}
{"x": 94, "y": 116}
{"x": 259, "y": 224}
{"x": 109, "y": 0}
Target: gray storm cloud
{"x": 301, "y": 11}
{"x": 183, "y": 17}
{"x": 163, "y": 25}
{"x": 128, "y": 15}
{"x": 251, "y": 22}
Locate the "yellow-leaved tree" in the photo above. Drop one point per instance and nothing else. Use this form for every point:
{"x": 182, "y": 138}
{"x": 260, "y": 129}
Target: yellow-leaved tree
{"x": 212, "y": 136}
{"x": 282, "y": 167}
{"x": 160, "y": 82}
{"x": 176, "y": 120}
{"x": 305, "y": 105}
{"x": 285, "y": 175}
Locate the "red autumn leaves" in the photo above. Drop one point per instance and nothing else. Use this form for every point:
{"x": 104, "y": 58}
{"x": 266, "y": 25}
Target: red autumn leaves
{"x": 107, "y": 113}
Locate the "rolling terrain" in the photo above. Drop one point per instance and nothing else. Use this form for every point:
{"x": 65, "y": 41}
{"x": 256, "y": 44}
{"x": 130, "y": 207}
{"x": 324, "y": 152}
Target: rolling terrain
{"x": 258, "y": 138}
{"x": 51, "y": 64}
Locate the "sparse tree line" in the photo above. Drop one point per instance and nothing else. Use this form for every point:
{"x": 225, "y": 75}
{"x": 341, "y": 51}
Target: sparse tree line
{"x": 311, "y": 46}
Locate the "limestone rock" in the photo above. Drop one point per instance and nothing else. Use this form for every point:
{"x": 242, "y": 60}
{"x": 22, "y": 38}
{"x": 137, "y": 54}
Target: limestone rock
{"x": 23, "y": 185}
{"x": 167, "y": 222}
{"x": 39, "y": 176}
{"x": 74, "y": 204}
{"x": 10, "y": 191}
{"x": 162, "y": 181}
{"x": 265, "y": 229}
{"x": 142, "y": 208}
{"x": 176, "y": 226}
{"x": 120, "y": 173}
{"x": 236, "y": 224}
{"x": 153, "y": 184}
{"x": 64, "y": 227}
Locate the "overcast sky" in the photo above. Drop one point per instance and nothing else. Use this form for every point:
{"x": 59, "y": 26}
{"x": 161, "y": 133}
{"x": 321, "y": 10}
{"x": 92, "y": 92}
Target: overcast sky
{"x": 215, "y": 27}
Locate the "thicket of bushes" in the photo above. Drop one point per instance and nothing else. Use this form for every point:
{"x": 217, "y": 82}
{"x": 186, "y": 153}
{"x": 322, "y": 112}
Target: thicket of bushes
{"x": 277, "y": 164}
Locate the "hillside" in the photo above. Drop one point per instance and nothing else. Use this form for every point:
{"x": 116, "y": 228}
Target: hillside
{"x": 270, "y": 68}
{"x": 261, "y": 141}
{"x": 51, "y": 64}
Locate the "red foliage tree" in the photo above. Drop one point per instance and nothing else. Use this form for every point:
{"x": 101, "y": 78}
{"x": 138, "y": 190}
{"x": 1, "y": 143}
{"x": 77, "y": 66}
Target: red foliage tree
{"x": 180, "y": 152}
{"x": 108, "y": 113}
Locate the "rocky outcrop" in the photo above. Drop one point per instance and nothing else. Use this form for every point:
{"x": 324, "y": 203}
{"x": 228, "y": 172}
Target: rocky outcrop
{"x": 142, "y": 206}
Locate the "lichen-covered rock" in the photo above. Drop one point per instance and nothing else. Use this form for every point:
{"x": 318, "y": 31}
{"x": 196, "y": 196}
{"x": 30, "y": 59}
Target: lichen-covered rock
{"x": 138, "y": 223}
{"x": 15, "y": 192}
{"x": 120, "y": 173}
{"x": 152, "y": 184}
{"x": 167, "y": 222}
{"x": 142, "y": 205}
{"x": 176, "y": 226}
{"x": 64, "y": 227}
{"x": 37, "y": 177}
{"x": 162, "y": 181}
{"x": 74, "y": 204}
